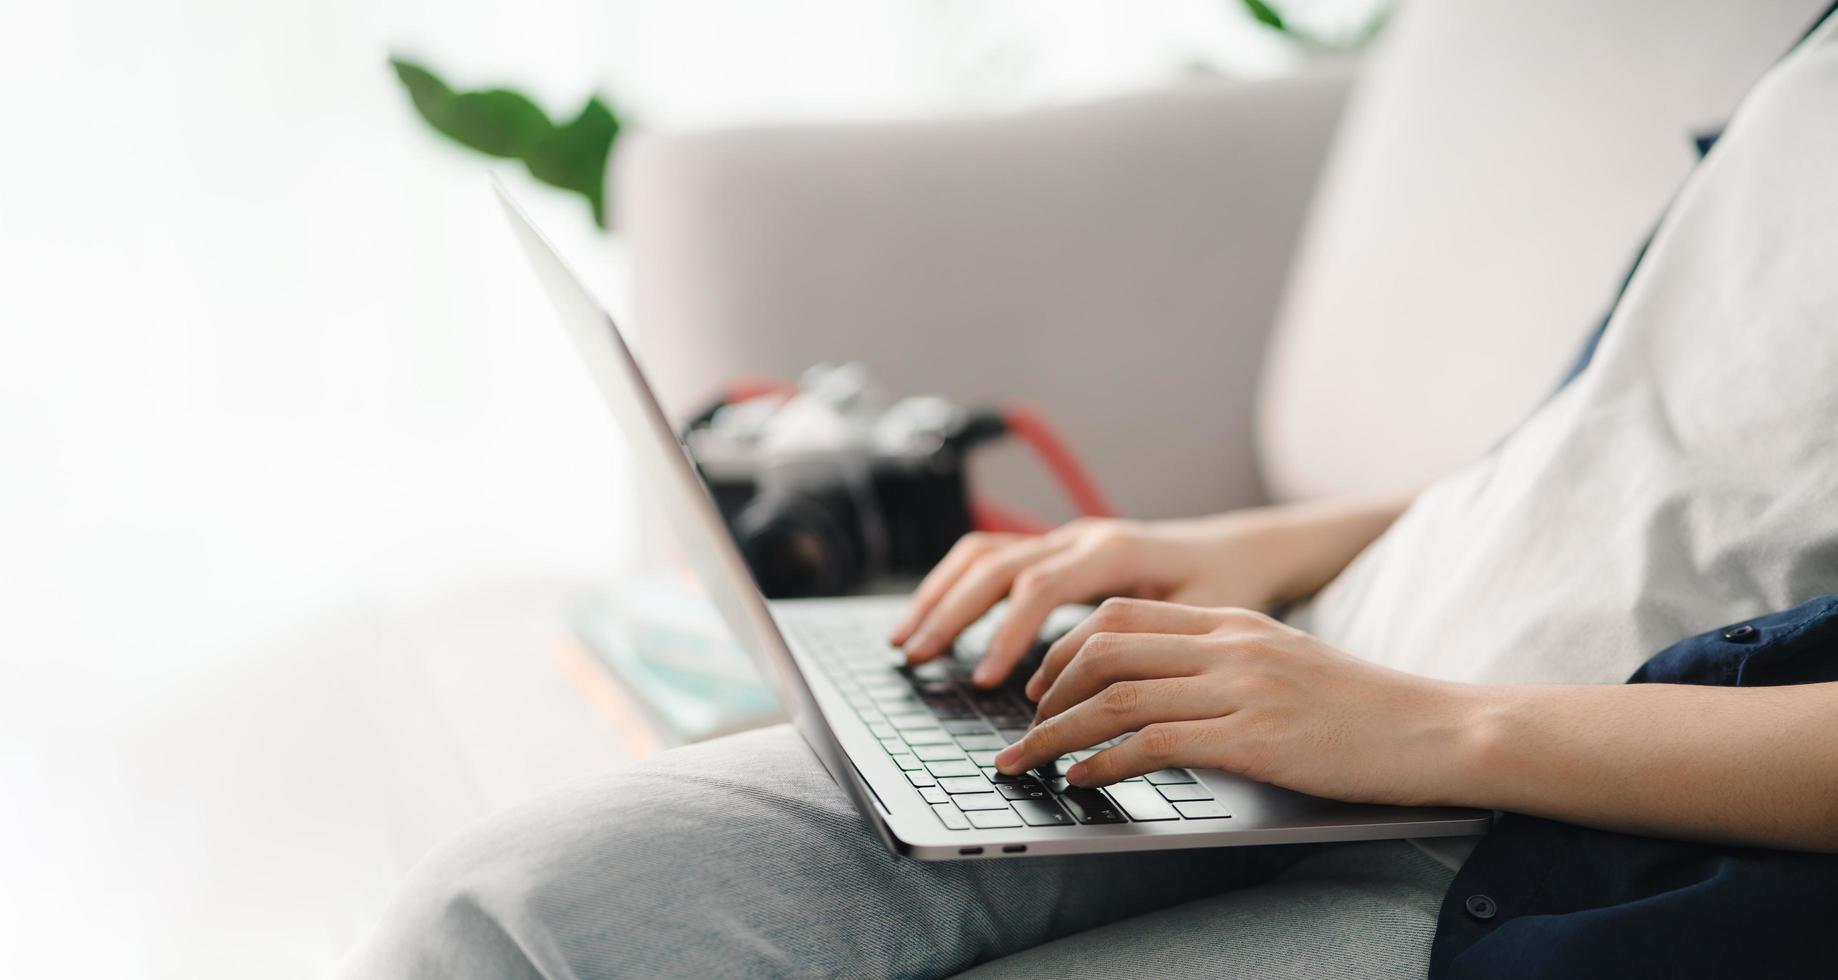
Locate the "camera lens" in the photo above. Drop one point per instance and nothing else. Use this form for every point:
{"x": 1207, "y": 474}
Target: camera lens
{"x": 797, "y": 547}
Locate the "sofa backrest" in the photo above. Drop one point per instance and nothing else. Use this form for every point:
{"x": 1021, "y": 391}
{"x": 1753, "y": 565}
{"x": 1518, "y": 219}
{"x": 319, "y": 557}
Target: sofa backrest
{"x": 1498, "y": 167}
{"x": 1115, "y": 263}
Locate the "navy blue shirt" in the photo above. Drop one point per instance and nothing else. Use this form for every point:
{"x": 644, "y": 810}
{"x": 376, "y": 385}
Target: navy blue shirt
{"x": 1540, "y": 898}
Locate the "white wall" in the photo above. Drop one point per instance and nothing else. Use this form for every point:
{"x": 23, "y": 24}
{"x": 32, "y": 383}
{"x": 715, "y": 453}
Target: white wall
{"x": 269, "y": 365}
{"x": 264, "y": 347}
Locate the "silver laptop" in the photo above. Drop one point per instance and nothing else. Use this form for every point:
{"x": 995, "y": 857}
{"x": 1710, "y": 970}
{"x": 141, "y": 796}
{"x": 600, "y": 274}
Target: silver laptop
{"x": 913, "y": 747}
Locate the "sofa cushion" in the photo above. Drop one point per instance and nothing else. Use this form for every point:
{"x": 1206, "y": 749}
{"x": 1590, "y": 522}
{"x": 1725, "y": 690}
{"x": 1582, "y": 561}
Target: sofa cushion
{"x": 1500, "y": 163}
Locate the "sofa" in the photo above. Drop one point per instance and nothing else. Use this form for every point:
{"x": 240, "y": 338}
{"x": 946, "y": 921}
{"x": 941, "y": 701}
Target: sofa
{"x": 1347, "y": 280}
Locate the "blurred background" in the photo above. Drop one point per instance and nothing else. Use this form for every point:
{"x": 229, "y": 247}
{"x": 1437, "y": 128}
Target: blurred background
{"x": 299, "y": 477}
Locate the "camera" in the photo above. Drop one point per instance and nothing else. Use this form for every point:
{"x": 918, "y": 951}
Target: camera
{"x": 831, "y": 485}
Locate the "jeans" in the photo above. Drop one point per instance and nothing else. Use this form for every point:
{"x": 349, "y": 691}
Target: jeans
{"x": 740, "y": 858}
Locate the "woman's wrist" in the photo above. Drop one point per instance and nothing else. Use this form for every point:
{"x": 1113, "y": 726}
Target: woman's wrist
{"x": 1238, "y": 558}
{"x": 1486, "y": 763}
{"x": 1463, "y": 754}
{"x": 1287, "y": 552}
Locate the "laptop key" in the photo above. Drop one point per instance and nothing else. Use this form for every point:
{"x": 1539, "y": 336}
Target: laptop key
{"x": 937, "y": 753}
{"x": 994, "y": 819}
{"x": 993, "y": 702}
{"x": 921, "y": 778}
{"x": 893, "y": 746}
{"x": 1202, "y": 809}
{"x": 952, "y": 817}
{"x": 968, "y": 726}
{"x": 983, "y": 757}
{"x": 934, "y": 794}
{"x": 1090, "y": 806}
{"x": 1185, "y": 791}
{"x": 1167, "y": 776}
{"x": 908, "y": 720}
{"x": 953, "y": 767}
{"x": 908, "y": 762}
{"x": 946, "y": 704}
{"x": 1041, "y": 813}
{"x": 930, "y": 676}
{"x": 969, "y": 802}
{"x": 1143, "y": 803}
{"x": 981, "y": 743}
{"x": 965, "y": 784}
{"x": 931, "y": 670}
{"x": 926, "y": 736}
{"x": 1022, "y": 791}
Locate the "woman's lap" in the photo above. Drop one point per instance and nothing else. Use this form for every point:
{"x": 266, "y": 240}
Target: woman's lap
{"x": 741, "y": 858}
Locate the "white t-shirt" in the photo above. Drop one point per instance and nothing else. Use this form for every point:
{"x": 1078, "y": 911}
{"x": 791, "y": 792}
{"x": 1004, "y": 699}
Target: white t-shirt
{"x": 1687, "y": 479}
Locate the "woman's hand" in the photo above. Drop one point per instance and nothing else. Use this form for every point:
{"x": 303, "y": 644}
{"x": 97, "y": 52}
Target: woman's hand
{"x": 1078, "y": 562}
{"x": 1236, "y": 690}
{"x": 1246, "y": 558}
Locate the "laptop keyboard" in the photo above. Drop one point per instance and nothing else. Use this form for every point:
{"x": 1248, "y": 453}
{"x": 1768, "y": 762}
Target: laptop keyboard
{"x": 944, "y": 734}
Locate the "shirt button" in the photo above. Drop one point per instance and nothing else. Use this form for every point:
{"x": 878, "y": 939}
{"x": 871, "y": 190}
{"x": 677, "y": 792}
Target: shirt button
{"x": 1741, "y": 634}
{"x": 1481, "y": 907}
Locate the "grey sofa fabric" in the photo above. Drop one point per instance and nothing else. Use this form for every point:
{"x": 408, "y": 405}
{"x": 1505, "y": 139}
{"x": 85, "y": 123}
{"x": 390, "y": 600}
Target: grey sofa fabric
{"x": 1116, "y": 264}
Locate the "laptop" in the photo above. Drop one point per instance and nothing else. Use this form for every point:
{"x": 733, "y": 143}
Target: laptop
{"x": 913, "y": 747}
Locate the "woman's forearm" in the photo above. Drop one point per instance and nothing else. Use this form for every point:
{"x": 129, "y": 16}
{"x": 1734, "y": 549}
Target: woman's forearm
{"x": 1741, "y": 765}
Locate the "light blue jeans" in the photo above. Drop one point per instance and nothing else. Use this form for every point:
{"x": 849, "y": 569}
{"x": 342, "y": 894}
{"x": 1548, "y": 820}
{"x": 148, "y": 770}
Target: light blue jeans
{"x": 740, "y": 858}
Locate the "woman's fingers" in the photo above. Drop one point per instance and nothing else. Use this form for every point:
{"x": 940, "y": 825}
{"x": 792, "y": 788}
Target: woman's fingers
{"x": 1076, "y": 574}
{"x": 1122, "y": 707}
{"x": 943, "y": 575}
{"x": 1160, "y": 745}
{"x": 979, "y": 587}
{"x": 1119, "y": 616}
{"x": 1107, "y": 658}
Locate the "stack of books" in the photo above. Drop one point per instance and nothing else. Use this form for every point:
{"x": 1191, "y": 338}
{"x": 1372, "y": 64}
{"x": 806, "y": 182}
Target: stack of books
{"x": 663, "y": 649}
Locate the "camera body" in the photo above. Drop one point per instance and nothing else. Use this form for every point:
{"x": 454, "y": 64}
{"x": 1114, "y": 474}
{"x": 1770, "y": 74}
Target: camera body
{"x": 833, "y": 486}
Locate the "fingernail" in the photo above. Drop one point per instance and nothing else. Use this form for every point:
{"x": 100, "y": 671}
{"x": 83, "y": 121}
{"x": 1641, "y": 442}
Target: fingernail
{"x": 1076, "y": 774}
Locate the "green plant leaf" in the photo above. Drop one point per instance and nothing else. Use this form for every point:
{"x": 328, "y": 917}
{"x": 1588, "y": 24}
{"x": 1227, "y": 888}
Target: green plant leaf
{"x": 573, "y": 157}
{"x": 503, "y": 123}
{"x": 498, "y": 122}
{"x": 1264, "y": 14}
